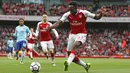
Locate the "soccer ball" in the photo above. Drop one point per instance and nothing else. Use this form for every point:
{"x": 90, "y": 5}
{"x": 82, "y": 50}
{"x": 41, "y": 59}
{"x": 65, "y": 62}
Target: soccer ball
{"x": 35, "y": 67}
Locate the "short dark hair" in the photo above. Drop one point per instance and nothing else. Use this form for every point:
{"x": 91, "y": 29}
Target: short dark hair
{"x": 21, "y": 19}
{"x": 74, "y": 3}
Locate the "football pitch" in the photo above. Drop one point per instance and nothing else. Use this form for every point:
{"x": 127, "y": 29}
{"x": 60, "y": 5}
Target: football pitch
{"x": 98, "y": 66}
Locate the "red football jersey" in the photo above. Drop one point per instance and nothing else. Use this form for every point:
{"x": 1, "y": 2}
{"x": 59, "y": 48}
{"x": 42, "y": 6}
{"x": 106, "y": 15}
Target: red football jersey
{"x": 32, "y": 41}
{"x": 44, "y": 34}
{"x": 78, "y": 21}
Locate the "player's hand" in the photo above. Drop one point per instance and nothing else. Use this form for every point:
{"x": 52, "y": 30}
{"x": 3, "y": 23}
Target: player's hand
{"x": 36, "y": 38}
{"x": 103, "y": 10}
{"x": 28, "y": 38}
{"x": 33, "y": 38}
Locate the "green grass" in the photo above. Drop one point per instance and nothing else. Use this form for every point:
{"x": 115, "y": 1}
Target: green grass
{"x": 98, "y": 66}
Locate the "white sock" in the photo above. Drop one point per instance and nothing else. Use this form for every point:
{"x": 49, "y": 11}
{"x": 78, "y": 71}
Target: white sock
{"x": 10, "y": 55}
{"x": 31, "y": 55}
{"x": 70, "y": 58}
{"x": 82, "y": 63}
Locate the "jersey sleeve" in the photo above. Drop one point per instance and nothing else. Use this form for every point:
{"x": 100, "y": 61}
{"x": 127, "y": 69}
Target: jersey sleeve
{"x": 37, "y": 29}
{"x": 8, "y": 42}
{"x": 28, "y": 31}
{"x": 88, "y": 14}
{"x": 64, "y": 17}
{"x": 15, "y": 33}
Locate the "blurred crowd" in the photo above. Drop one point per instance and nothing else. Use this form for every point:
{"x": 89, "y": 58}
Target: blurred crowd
{"x": 5, "y": 33}
{"x": 57, "y": 10}
{"x": 23, "y": 9}
{"x": 100, "y": 42}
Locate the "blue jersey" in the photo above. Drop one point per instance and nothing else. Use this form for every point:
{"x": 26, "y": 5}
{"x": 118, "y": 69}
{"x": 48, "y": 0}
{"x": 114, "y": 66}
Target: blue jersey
{"x": 21, "y": 33}
{"x": 10, "y": 43}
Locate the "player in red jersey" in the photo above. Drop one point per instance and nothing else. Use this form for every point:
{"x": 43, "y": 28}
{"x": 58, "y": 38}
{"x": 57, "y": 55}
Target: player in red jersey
{"x": 77, "y": 37}
{"x": 31, "y": 43}
{"x": 45, "y": 38}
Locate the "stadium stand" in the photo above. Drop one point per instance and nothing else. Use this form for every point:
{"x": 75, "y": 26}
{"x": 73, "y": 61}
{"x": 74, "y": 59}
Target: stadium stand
{"x": 23, "y": 9}
{"x": 101, "y": 42}
{"x": 57, "y": 10}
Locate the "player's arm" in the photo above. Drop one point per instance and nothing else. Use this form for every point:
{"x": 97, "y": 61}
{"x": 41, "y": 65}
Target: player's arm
{"x": 15, "y": 33}
{"x": 37, "y": 30}
{"x": 8, "y": 43}
{"x": 59, "y": 22}
{"x": 54, "y": 31}
{"x": 96, "y": 16}
{"x": 29, "y": 33}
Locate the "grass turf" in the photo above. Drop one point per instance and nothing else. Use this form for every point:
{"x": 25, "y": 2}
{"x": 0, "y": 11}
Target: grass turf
{"x": 98, "y": 66}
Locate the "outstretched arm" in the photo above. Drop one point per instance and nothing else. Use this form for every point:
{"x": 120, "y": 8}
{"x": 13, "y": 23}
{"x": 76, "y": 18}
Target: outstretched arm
{"x": 56, "y": 24}
{"x": 54, "y": 31}
{"x": 59, "y": 22}
{"x": 98, "y": 15}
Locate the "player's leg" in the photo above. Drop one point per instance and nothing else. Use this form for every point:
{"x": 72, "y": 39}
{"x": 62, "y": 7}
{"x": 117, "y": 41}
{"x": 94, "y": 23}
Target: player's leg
{"x": 73, "y": 57}
{"x": 10, "y": 53}
{"x": 69, "y": 48}
{"x": 23, "y": 48}
{"x": 44, "y": 49}
{"x": 73, "y": 54}
{"x": 13, "y": 52}
{"x": 51, "y": 50}
{"x": 30, "y": 47}
{"x": 17, "y": 49}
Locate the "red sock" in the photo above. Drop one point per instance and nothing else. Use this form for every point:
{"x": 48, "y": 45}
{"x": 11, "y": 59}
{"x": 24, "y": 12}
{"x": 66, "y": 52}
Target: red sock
{"x": 76, "y": 59}
{"x": 71, "y": 57}
{"x": 46, "y": 55}
{"x": 73, "y": 52}
{"x": 52, "y": 55}
{"x": 68, "y": 53}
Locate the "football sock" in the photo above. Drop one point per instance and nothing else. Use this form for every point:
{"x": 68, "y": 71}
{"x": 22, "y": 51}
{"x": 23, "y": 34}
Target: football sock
{"x": 71, "y": 57}
{"x": 17, "y": 56}
{"x": 76, "y": 59}
{"x": 82, "y": 63}
{"x": 52, "y": 56}
{"x": 31, "y": 56}
{"x": 23, "y": 53}
{"x": 10, "y": 55}
{"x": 46, "y": 55}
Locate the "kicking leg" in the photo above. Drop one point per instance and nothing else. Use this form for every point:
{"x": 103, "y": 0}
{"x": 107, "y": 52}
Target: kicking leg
{"x": 72, "y": 55}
